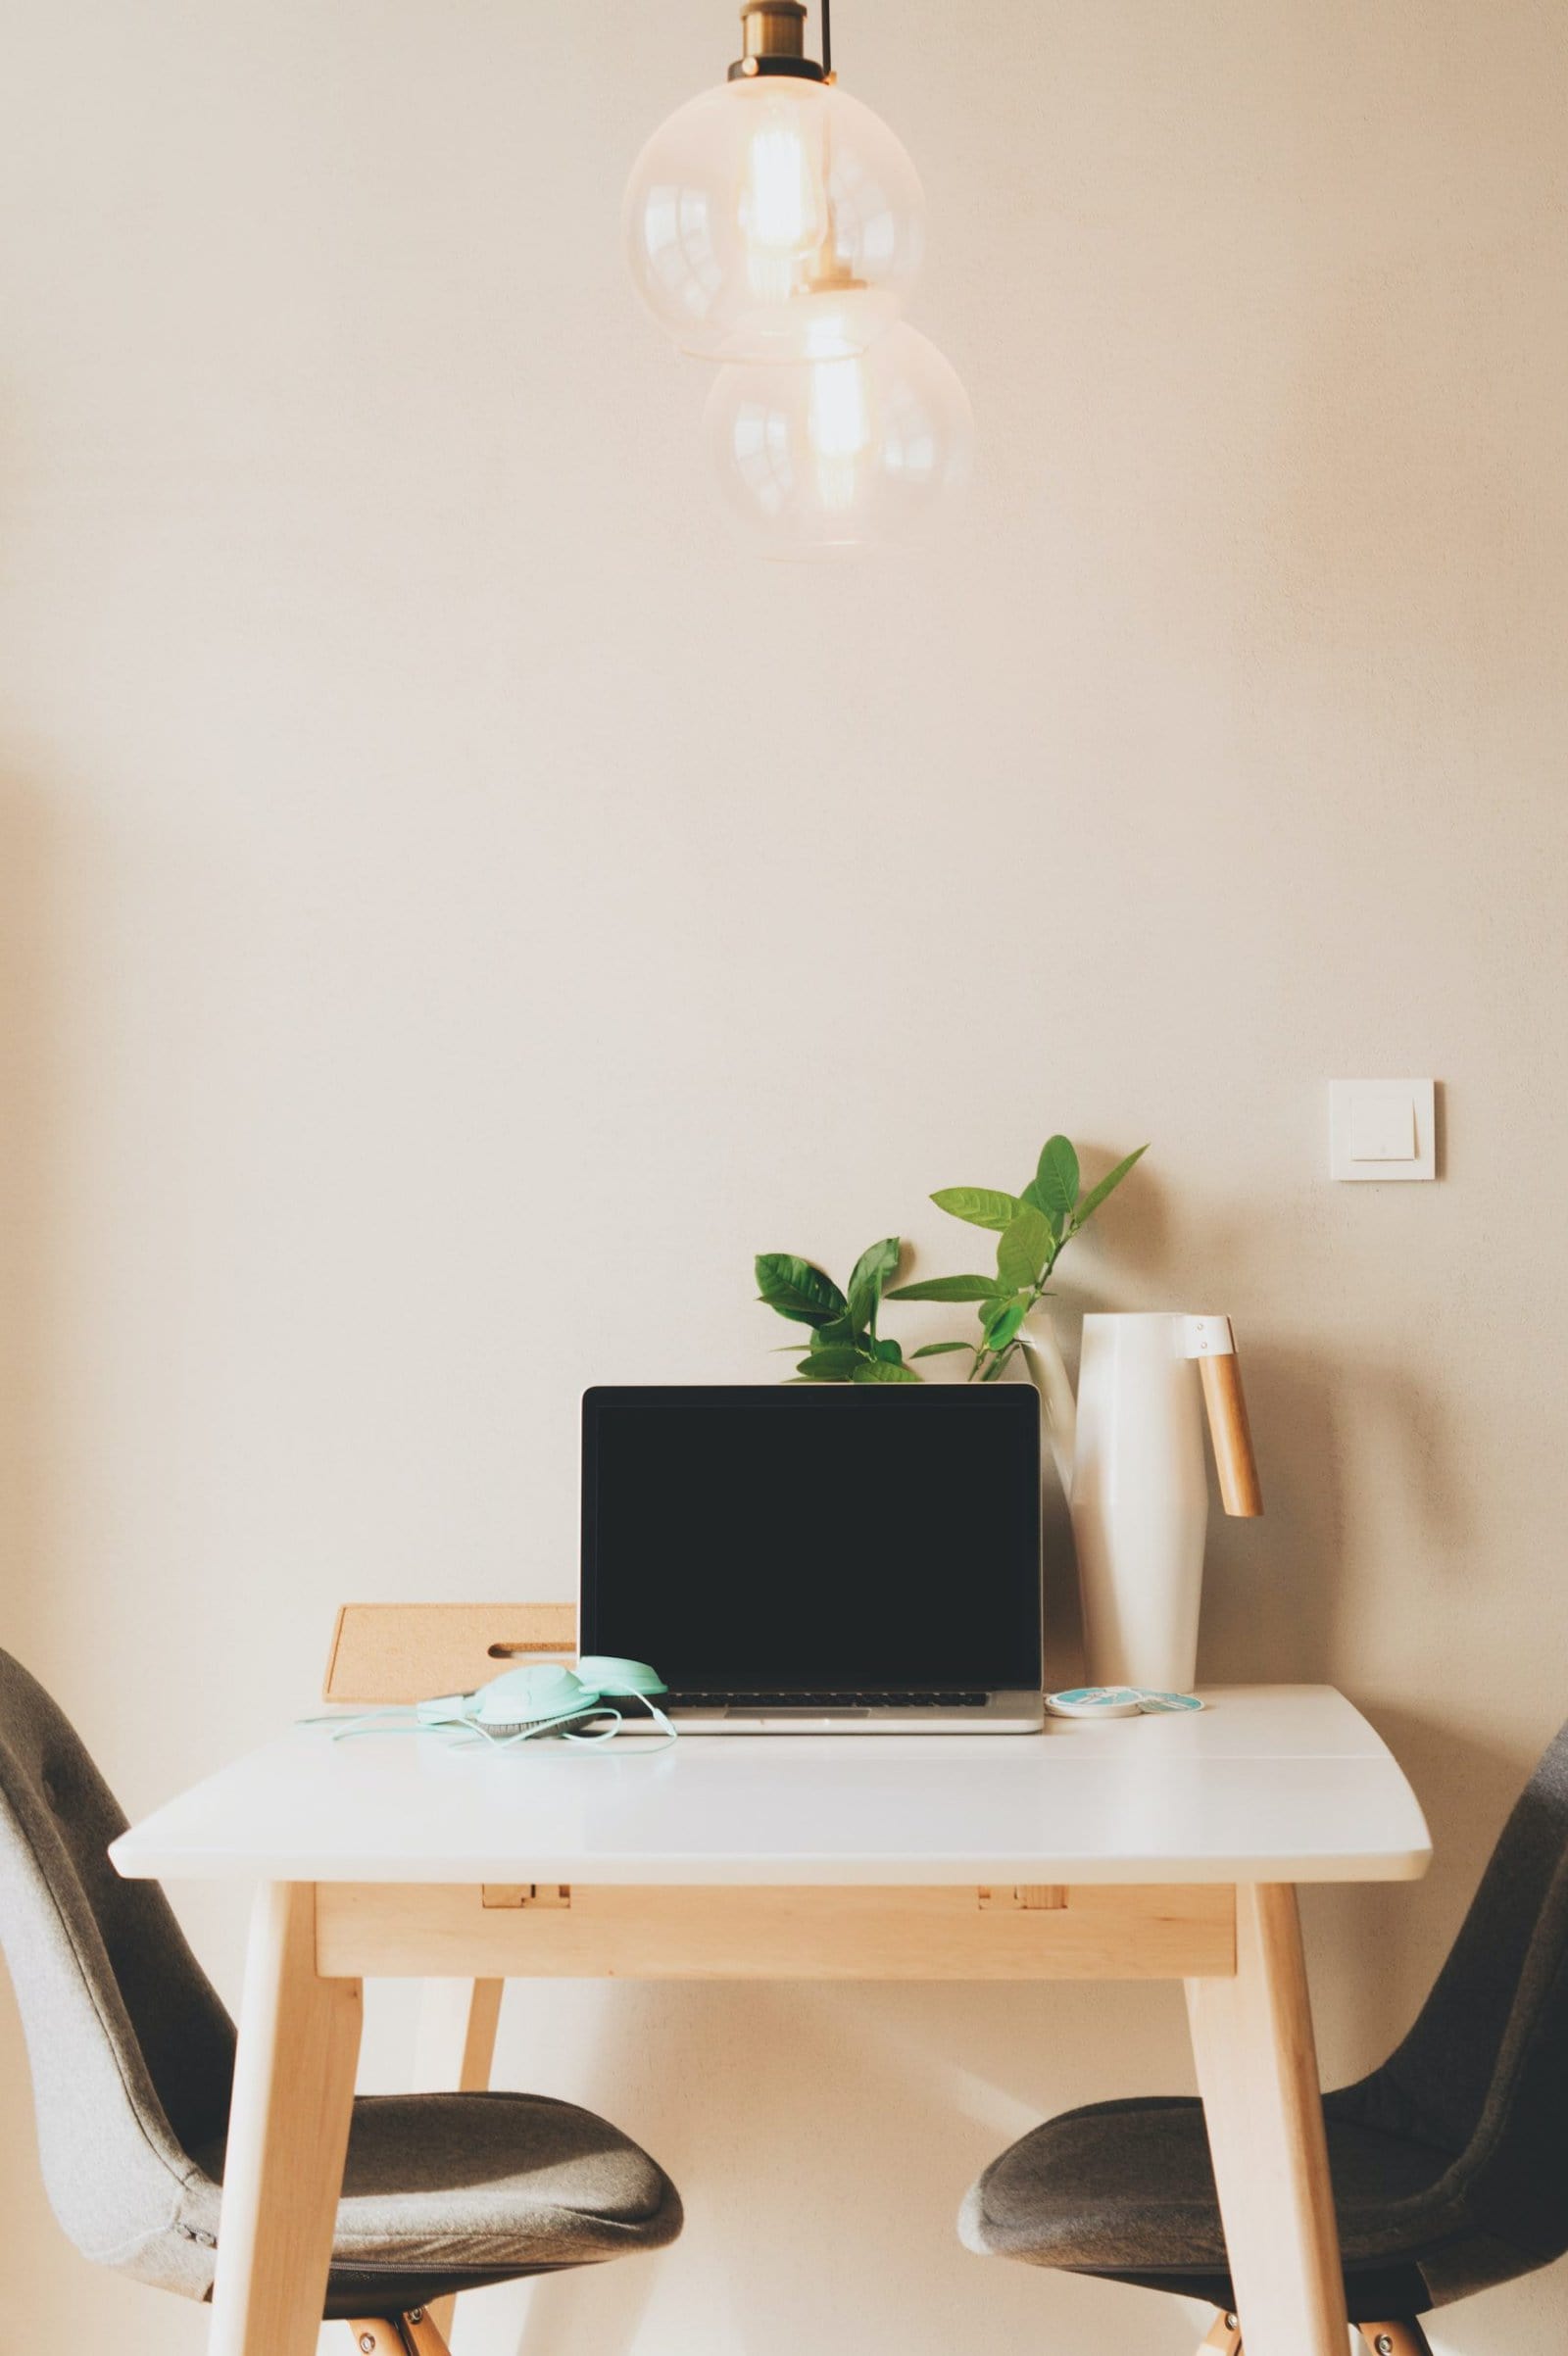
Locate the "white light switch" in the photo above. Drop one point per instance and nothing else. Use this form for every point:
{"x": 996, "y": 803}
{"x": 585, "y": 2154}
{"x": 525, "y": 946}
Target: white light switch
{"x": 1383, "y": 1129}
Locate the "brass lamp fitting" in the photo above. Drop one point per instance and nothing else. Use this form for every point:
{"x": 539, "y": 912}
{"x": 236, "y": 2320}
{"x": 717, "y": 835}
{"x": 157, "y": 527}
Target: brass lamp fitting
{"x": 773, "y": 28}
{"x": 773, "y": 41}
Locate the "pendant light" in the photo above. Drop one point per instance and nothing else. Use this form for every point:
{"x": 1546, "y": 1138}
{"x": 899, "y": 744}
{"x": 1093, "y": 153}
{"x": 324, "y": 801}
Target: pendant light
{"x": 776, "y": 224}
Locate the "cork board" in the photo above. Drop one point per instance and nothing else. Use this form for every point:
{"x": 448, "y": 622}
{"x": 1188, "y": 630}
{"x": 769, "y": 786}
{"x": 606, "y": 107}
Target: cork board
{"x": 408, "y": 1651}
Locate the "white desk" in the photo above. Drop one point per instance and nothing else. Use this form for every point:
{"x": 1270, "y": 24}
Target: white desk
{"x": 1153, "y": 1847}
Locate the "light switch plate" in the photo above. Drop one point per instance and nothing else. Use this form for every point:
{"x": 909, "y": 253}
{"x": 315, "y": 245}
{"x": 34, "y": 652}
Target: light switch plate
{"x": 1382, "y": 1130}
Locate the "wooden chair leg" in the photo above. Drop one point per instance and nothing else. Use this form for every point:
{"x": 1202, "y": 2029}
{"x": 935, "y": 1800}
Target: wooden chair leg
{"x": 414, "y": 2335}
{"x": 425, "y": 2334}
{"x": 1405, "y": 2338}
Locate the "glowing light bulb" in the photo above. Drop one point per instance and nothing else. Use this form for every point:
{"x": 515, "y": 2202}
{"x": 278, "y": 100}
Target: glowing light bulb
{"x": 826, "y": 457}
{"x": 838, "y": 428}
{"x": 783, "y": 209}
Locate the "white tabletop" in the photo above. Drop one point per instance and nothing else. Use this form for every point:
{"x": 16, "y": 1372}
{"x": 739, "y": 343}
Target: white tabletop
{"x": 1281, "y": 1783}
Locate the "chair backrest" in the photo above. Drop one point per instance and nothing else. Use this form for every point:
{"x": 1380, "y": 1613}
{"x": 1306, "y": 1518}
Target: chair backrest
{"x": 409, "y": 1651}
{"x": 1482, "y": 2073}
{"x": 131, "y": 2052}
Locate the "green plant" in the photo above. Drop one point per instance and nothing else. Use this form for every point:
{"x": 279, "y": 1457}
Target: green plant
{"x": 1033, "y": 1228}
{"x": 845, "y": 1347}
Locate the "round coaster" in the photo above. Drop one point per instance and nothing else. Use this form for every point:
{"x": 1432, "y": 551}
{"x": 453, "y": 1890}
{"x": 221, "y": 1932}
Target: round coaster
{"x": 1095, "y": 1701}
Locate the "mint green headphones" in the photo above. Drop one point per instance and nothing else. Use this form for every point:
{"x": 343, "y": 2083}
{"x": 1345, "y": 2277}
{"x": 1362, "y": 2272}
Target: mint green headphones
{"x": 545, "y": 1699}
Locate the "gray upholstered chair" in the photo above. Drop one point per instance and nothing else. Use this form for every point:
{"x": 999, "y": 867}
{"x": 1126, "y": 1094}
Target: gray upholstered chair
{"x": 133, "y": 2059}
{"x": 1450, "y": 2163}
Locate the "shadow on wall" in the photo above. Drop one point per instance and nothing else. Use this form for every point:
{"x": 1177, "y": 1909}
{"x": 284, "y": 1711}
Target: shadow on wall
{"x": 99, "y": 2305}
{"x": 1401, "y": 1932}
{"x": 1274, "y": 1597}
{"x": 1273, "y": 1593}
{"x": 825, "y": 2137}
{"x": 1272, "y": 1589}
{"x": 27, "y": 1062}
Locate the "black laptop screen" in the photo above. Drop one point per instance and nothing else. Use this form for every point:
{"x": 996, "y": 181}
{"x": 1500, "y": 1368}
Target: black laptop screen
{"x": 827, "y": 1539}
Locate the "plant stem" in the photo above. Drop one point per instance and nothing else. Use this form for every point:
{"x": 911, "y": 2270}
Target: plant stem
{"x": 1037, "y": 1295}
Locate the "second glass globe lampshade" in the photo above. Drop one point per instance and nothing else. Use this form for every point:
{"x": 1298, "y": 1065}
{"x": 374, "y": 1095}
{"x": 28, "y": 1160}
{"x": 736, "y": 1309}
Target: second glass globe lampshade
{"x": 822, "y": 457}
{"x": 774, "y": 219}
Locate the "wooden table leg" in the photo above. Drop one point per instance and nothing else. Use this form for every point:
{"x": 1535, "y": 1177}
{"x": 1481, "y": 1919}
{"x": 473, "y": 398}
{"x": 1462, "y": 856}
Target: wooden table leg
{"x": 299, "y": 2039}
{"x": 453, "y": 2050}
{"x": 456, "y": 2041}
{"x": 1257, "y": 2073}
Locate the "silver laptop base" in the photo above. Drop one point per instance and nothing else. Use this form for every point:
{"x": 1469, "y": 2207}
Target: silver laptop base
{"x": 1002, "y": 1713}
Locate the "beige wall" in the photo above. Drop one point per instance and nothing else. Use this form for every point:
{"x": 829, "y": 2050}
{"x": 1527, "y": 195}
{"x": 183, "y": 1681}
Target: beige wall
{"x": 457, "y": 909}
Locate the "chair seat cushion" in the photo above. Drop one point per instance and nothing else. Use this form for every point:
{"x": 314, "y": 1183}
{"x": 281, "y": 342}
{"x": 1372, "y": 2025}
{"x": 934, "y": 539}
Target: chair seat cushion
{"x": 492, "y": 2180}
{"x": 1128, "y": 2189}
{"x": 442, "y": 2191}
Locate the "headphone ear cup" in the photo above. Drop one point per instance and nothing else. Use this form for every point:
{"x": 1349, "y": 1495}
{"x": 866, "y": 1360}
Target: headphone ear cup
{"x": 607, "y": 1674}
{"x": 538, "y": 1689}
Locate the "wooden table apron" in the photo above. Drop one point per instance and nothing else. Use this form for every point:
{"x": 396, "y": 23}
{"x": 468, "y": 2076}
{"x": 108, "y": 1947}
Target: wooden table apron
{"x": 1236, "y": 1949}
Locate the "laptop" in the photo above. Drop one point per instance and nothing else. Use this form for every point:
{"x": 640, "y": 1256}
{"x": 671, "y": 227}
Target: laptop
{"x": 842, "y": 1559}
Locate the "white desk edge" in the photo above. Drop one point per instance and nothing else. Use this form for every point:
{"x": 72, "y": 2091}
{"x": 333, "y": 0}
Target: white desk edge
{"x": 1285, "y": 1784}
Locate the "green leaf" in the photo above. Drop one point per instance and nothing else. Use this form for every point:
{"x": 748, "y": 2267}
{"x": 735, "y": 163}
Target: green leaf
{"x": 1026, "y": 1247}
{"x": 871, "y": 1272}
{"x": 1000, "y": 1328}
{"x": 1058, "y": 1177}
{"x": 878, "y": 1262}
{"x": 883, "y": 1370}
{"x": 836, "y": 1328}
{"x": 796, "y": 1290}
{"x": 949, "y": 1288}
{"x": 939, "y": 1349}
{"x": 981, "y": 1205}
{"x": 830, "y": 1365}
{"x": 993, "y": 1371}
{"x": 887, "y": 1350}
{"x": 1032, "y": 1196}
{"x": 1107, "y": 1185}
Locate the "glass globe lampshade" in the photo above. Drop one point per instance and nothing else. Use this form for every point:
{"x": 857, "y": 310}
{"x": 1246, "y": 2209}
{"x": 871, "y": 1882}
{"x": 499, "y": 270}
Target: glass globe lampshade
{"x": 820, "y": 457}
{"x": 774, "y": 218}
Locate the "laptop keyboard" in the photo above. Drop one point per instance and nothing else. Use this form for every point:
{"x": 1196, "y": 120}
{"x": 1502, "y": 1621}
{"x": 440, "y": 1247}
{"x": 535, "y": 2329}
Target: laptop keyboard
{"x": 730, "y": 1699}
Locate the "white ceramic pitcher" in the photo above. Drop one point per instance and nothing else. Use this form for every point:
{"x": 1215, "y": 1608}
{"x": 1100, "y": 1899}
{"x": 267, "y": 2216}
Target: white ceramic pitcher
{"x": 1131, "y": 1459}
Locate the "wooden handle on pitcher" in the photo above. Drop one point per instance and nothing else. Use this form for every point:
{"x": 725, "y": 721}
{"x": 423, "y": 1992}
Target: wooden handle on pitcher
{"x": 1241, "y": 1491}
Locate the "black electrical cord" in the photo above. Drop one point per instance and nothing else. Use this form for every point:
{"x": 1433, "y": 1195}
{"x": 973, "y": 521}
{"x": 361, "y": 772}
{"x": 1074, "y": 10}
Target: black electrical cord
{"x": 827, "y": 39}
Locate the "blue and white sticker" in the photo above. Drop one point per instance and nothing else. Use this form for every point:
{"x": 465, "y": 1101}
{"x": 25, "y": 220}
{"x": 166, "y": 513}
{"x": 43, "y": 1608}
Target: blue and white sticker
{"x": 1117, "y": 1702}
